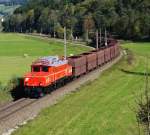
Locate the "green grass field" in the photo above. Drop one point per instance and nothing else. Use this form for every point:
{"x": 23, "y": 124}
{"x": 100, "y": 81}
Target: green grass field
{"x": 14, "y": 47}
{"x": 18, "y": 45}
{"x": 142, "y": 49}
{"x": 102, "y": 107}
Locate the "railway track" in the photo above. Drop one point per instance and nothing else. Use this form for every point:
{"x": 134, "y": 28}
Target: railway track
{"x": 14, "y": 107}
{"x": 8, "y": 105}
{"x": 15, "y": 113}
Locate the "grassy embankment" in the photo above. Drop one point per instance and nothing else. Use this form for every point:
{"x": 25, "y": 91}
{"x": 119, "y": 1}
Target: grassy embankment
{"x": 102, "y": 107}
{"x": 14, "y": 48}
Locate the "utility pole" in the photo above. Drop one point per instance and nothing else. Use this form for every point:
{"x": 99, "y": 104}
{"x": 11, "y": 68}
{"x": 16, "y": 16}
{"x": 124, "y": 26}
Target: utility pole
{"x": 54, "y": 30}
{"x": 100, "y": 38}
{"x": 65, "y": 44}
{"x": 106, "y": 38}
{"x": 97, "y": 45}
{"x": 65, "y": 35}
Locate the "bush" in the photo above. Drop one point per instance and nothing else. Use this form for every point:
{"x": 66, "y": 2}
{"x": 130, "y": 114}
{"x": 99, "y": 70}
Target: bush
{"x": 130, "y": 57}
{"x": 12, "y": 84}
{"x": 35, "y": 31}
{"x": 15, "y": 88}
{"x": 60, "y": 32}
{"x": 1, "y": 87}
{"x": 69, "y": 34}
{"x": 142, "y": 113}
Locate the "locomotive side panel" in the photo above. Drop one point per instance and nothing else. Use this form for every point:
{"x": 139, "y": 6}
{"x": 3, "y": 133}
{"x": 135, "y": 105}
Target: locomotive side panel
{"x": 60, "y": 72}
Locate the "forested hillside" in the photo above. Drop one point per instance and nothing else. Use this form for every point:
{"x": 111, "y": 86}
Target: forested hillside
{"x": 128, "y": 19}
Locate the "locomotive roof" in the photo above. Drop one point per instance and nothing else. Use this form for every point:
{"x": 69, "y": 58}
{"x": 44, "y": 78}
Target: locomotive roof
{"x": 50, "y": 61}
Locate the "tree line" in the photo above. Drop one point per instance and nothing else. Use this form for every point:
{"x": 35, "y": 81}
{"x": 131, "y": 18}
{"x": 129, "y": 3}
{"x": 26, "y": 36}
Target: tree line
{"x": 128, "y": 19}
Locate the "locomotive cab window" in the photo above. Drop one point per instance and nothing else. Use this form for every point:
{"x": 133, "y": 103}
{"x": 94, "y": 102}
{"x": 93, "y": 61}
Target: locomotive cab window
{"x": 36, "y": 69}
{"x": 45, "y": 69}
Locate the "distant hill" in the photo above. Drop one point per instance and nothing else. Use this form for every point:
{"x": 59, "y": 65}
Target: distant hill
{"x": 15, "y": 2}
{"x": 7, "y": 10}
{"x": 7, "y": 7}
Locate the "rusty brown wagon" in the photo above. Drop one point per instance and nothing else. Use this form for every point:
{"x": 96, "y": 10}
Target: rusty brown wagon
{"x": 78, "y": 64}
{"x": 91, "y": 60}
{"x": 100, "y": 56}
{"x": 107, "y": 54}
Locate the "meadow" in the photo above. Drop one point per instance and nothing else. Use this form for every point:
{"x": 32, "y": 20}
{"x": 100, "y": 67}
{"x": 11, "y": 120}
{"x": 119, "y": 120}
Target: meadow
{"x": 102, "y": 107}
{"x": 17, "y": 52}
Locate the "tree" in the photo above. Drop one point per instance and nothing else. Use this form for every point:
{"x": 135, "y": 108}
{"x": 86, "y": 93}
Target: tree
{"x": 30, "y": 19}
{"x": 129, "y": 19}
{"x": 43, "y": 20}
{"x": 88, "y": 25}
{"x": 19, "y": 21}
{"x": 53, "y": 19}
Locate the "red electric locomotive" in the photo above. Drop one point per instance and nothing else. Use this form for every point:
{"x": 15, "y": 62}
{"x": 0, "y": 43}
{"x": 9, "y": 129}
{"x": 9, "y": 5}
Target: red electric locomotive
{"x": 45, "y": 73}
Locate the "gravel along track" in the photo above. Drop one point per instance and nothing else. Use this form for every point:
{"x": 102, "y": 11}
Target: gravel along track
{"x": 7, "y": 111}
{"x": 17, "y": 113}
{"x": 10, "y": 104}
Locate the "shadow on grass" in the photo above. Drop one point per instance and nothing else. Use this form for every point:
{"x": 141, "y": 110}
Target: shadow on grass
{"x": 134, "y": 73}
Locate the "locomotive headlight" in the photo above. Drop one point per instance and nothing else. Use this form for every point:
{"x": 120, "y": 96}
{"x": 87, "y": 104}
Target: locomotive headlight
{"x": 47, "y": 80}
{"x": 40, "y": 84}
{"x": 70, "y": 70}
{"x": 26, "y": 79}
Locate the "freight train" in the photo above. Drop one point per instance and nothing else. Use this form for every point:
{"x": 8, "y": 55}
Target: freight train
{"x": 48, "y": 73}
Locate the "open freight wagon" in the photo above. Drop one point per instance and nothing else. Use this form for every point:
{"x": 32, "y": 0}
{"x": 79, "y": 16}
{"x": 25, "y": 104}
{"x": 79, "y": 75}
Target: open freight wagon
{"x": 91, "y": 61}
{"x": 78, "y": 64}
{"x": 100, "y": 56}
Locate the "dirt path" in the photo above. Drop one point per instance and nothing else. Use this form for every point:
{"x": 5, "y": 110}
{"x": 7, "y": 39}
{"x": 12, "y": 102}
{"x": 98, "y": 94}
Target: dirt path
{"x": 45, "y": 37}
{"x": 29, "y": 112}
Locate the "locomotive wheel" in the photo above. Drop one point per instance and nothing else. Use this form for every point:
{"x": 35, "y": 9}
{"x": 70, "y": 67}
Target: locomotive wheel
{"x": 39, "y": 92}
{"x": 48, "y": 89}
{"x": 27, "y": 91}
{"x": 35, "y": 92}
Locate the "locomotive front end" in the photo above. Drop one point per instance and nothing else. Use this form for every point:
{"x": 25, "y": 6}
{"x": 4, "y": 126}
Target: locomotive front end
{"x": 45, "y": 74}
{"x": 35, "y": 81}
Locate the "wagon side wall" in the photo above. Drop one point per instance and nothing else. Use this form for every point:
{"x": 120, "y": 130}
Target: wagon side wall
{"x": 91, "y": 60}
{"x": 78, "y": 65}
{"x": 101, "y": 57}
